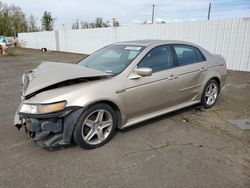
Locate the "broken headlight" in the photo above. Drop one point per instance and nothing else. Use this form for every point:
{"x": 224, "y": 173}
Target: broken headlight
{"x": 42, "y": 108}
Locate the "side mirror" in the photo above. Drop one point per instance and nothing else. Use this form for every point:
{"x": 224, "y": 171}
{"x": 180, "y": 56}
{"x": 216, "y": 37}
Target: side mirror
{"x": 144, "y": 71}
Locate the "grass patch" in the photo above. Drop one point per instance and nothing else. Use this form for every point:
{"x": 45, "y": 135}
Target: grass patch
{"x": 12, "y": 51}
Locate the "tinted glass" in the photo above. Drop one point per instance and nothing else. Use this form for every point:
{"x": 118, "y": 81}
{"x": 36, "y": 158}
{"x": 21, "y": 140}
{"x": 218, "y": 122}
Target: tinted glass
{"x": 200, "y": 56}
{"x": 158, "y": 59}
{"x": 112, "y": 59}
{"x": 187, "y": 54}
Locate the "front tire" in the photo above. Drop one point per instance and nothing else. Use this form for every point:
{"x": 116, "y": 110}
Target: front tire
{"x": 210, "y": 94}
{"x": 96, "y": 126}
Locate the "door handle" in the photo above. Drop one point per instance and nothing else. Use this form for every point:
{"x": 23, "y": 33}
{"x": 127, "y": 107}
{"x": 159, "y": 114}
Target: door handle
{"x": 203, "y": 69}
{"x": 172, "y": 77}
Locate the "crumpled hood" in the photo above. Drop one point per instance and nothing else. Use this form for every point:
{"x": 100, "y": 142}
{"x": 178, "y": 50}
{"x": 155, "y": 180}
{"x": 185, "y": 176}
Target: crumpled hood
{"x": 51, "y": 73}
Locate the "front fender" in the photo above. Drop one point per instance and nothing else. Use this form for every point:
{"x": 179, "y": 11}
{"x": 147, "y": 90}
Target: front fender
{"x": 83, "y": 95}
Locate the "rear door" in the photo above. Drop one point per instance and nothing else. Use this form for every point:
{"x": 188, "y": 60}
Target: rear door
{"x": 189, "y": 72}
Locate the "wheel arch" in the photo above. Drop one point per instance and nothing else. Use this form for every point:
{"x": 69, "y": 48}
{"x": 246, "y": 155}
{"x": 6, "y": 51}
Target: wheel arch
{"x": 214, "y": 79}
{"x": 206, "y": 80}
{"x": 114, "y": 106}
{"x": 217, "y": 80}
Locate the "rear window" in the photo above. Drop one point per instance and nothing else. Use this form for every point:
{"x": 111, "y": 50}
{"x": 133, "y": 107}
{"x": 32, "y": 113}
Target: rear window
{"x": 188, "y": 54}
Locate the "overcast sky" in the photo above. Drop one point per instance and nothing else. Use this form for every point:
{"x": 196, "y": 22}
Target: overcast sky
{"x": 132, "y": 11}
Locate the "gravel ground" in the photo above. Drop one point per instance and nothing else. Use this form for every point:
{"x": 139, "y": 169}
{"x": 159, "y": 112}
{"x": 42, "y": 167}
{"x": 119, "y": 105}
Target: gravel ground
{"x": 192, "y": 147}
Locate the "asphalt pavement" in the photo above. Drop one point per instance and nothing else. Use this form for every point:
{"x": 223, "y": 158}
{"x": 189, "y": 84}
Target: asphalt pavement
{"x": 188, "y": 148}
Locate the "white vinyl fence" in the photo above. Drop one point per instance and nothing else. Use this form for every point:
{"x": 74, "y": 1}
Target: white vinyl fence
{"x": 229, "y": 37}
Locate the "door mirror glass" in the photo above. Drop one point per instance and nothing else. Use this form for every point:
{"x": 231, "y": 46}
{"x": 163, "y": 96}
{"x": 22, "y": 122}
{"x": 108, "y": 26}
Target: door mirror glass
{"x": 143, "y": 71}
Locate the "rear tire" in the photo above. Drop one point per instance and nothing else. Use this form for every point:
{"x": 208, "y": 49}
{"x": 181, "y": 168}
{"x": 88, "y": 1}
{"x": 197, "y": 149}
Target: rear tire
{"x": 96, "y": 126}
{"x": 210, "y": 94}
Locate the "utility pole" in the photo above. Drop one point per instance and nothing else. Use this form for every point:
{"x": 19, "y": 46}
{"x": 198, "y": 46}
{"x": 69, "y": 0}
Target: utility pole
{"x": 153, "y": 13}
{"x": 209, "y": 10}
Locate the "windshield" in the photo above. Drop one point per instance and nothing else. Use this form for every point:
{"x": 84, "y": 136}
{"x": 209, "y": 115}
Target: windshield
{"x": 112, "y": 59}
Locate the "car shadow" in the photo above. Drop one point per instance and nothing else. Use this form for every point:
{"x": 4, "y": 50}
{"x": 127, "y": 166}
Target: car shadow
{"x": 58, "y": 148}
{"x": 191, "y": 109}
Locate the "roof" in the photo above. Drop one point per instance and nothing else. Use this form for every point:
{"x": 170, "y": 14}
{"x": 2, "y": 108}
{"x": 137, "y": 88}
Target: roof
{"x": 149, "y": 42}
{"x": 137, "y": 42}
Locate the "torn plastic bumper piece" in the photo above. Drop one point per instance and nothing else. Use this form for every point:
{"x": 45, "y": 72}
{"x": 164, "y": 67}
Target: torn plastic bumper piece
{"x": 51, "y": 130}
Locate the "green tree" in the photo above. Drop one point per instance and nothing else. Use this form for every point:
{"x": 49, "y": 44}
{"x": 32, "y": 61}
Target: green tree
{"x": 75, "y": 25}
{"x": 116, "y": 24}
{"x": 17, "y": 20}
{"x": 12, "y": 20}
{"x": 4, "y": 29}
{"x": 47, "y": 21}
{"x": 99, "y": 23}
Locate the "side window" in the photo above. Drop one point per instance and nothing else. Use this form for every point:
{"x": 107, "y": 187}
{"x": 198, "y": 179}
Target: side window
{"x": 200, "y": 56}
{"x": 187, "y": 54}
{"x": 158, "y": 59}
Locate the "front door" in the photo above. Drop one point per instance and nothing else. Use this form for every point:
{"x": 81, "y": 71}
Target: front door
{"x": 145, "y": 95}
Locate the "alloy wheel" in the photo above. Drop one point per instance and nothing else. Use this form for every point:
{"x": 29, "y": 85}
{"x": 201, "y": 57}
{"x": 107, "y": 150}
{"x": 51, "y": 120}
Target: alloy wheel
{"x": 211, "y": 94}
{"x": 97, "y": 127}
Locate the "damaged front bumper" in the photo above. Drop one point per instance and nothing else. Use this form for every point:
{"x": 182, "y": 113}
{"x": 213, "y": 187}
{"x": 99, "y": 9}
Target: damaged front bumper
{"x": 52, "y": 129}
